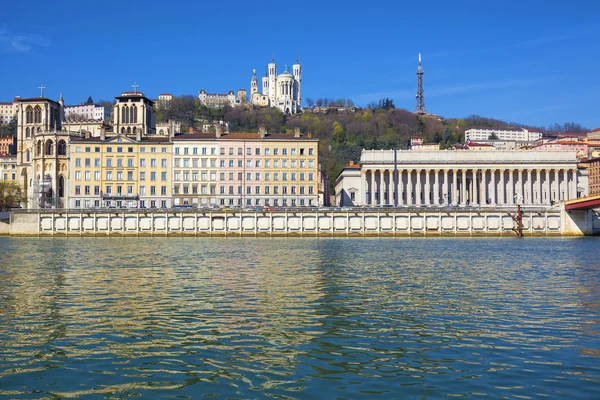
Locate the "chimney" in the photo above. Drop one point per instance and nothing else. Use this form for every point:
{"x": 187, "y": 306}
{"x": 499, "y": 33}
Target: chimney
{"x": 262, "y": 131}
{"x": 351, "y": 163}
{"x": 296, "y": 132}
{"x": 103, "y": 133}
{"x": 309, "y": 134}
{"x": 191, "y": 130}
{"x": 218, "y": 130}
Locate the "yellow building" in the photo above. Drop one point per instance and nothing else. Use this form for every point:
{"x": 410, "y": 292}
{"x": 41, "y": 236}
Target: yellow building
{"x": 120, "y": 171}
{"x": 8, "y": 167}
{"x": 245, "y": 169}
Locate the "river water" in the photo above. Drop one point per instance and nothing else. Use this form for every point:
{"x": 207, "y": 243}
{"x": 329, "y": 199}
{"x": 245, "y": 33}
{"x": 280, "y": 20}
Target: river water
{"x": 416, "y": 318}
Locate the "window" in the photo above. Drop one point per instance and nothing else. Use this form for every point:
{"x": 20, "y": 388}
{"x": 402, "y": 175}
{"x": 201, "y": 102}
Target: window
{"x": 119, "y": 149}
{"x": 213, "y": 151}
{"x": 153, "y": 162}
{"x": 284, "y": 152}
{"x": 275, "y": 151}
{"x": 152, "y": 190}
{"x": 129, "y": 189}
{"x": 267, "y": 176}
{"x": 310, "y": 152}
{"x": 130, "y": 175}
{"x": 222, "y": 176}
{"x": 163, "y": 150}
{"x": 222, "y": 164}
{"x": 109, "y": 162}
{"x": 177, "y": 150}
{"x": 130, "y": 162}
{"x": 293, "y": 176}
{"x": 231, "y": 151}
{"x": 293, "y": 151}
{"x": 248, "y": 151}
{"x": 248, "y": 189}
{"x": 163, "y": 190}
{"x": 152, "y": 149}
{"x": 311, "y": 176}
{"x": 142, "y": 190}
{"x": 311, "y": 164}
{"x": 267, "y": 152}
{"x": 222, "y": 151}
{"x": 204, "y": 150}
{"x": 77, "y": 203}
{"x": 276, "y": 176}
{"x": 130, "y": 149}
{"x": 284, "y": 164}
{"x": 142, "y": 162}
{"x": 163, "y": 176}
{"x": 213, "y": 163}
{"x": 78, "y": 162}
{"x": 77, "y": 189}
{"x": 109, "y": 175}
{"x": 163, "y": 163}
{"x": 186, "y": 176}
{"x": 119, "y": 175}
{"x": 142, "y": 176}
{"x": 257, "y": 164}
{"x": 96, "y": 175}
{"x": 240, "y": 164}
{"x": 97, "y": 162}
{"x": 194, "y": 176}
{"x": 256, "y": 189}
{"x": 248, "y": 176}
{"x": 310, "y": 190}
{"x": 284, "y": 176}
{"x": 248, "y": 163}
{"x": 109, "y": 149}
{"x": 267, "y": 189}
{"x": 257, "y": 151}
{"x": 267, "y": 163}
{"x": 301, "y": 176}
{"x": 213, "y": 176}
{"x": 239, "y": 151}
{"x": 257, "y": 176}
{"x": 152, "y": 176}
{"x": 88, "y": 162}
{"x": 77, "y": 175}
{"x": 301, "y": 152}
{"x": 177, "y": 163}
{"x": 203, "y": 175}
{"x": 119, "y": 162}
{"x": 108, "y": 189}
{"x": 186, "y": 150}
{"x": 142, "y": 149}
{"x": 293, "y": 162}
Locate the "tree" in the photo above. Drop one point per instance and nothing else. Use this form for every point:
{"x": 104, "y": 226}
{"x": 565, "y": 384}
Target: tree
{"x": 310, "y": 102}
{"x": 493, "y": 136}
{"x": 89, "y": 100}
{"x": 11, "y": 195}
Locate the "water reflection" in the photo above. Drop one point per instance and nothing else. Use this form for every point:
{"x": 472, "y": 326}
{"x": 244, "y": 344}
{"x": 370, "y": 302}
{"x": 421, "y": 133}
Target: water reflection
{"x": 308, "y": 318}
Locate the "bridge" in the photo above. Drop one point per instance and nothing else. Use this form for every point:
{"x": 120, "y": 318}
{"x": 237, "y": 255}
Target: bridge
{"x": 583, "y": 203}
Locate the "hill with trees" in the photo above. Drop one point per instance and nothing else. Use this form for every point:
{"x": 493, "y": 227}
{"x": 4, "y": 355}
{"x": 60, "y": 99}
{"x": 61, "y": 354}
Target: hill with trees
{"x": 343, "y": 134}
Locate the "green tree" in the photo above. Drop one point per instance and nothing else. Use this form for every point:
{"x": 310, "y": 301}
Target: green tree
{"x": 11, "y": 195}
{"x": 493, "y": 136}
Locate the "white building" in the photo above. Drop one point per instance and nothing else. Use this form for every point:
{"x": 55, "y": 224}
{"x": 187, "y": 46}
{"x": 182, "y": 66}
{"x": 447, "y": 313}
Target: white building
{"x": 284, "y": 90}
{"x": 85, "y": 112}
{"x": 8, "y": 111}
{"x": 421, "y": 178}
{"x": 217, "y": 99}
{"x": 523, "y": 135}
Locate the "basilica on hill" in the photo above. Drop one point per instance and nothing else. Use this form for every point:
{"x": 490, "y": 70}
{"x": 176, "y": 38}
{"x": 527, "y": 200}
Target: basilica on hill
{"x": 283, "y": 91}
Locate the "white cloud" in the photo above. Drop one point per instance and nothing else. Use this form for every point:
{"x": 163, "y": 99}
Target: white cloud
{"x": 15, "y": 43}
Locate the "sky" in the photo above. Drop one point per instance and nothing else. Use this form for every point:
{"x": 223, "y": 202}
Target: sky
{"x": 528, "y": 61}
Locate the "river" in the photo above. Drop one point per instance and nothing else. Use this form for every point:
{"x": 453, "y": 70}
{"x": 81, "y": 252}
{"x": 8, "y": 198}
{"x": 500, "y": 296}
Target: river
{"x": 309, "y": 318}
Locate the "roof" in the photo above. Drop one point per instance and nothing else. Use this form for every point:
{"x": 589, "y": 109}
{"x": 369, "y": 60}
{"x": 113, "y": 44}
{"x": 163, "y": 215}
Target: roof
{"x": 240, "y": 135}
{"x": 165, "y": 94}
{"x": 6, "y": 103}
{"x": 36, "y": 99}
{"x": 97, "y": 139}
{"x": 596, "y": 130}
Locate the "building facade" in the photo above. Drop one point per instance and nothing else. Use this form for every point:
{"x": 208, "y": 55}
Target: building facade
{"x": 8, "y": 111}
{"x": 454, "y": 177}
{"x": 134, "y": 114}
{"x": 8, "y": 167}
{"x": 523, "y": 135}
{"x": 120, "y": 171}
{"x": 217, "y": 99}
{"x": 245, "y": 169}
{"x": 593, "y": 172}
{"x": 86, "y": 112}
{"x": 283, "y": 91}
{"x": 8, "y": 144}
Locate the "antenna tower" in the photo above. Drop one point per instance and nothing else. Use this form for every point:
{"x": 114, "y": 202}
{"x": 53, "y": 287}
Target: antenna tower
{"x": 420, "y": 107}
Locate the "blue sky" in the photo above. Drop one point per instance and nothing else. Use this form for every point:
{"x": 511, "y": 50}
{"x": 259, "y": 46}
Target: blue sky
{"x": 529, "y": 61}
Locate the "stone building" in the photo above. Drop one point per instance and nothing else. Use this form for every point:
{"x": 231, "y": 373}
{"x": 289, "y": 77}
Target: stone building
{"x": 454, "y": 177}
{"x": 283, "y": 91}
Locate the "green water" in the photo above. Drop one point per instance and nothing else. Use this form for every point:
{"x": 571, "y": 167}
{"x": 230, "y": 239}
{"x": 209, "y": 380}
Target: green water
{"x": 299, "y": 318}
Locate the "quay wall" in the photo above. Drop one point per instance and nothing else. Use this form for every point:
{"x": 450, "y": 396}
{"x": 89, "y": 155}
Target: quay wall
{"x": 366, "y": 222}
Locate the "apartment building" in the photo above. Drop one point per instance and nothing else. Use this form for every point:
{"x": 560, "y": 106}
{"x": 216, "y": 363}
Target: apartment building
{"x": 245, "y": 169}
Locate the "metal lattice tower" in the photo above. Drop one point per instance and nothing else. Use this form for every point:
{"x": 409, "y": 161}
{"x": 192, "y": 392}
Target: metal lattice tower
{"x": 420, "y": 107}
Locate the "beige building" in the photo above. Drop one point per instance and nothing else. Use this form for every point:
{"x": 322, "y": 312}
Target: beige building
{"x": 134, "y": 114}
{"x": 245, "y": 169}
{"x": 8, "y": 111}
{"x": 8, "y": 167}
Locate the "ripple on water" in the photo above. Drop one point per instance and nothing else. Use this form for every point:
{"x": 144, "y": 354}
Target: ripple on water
{"x": 299, "y": 318}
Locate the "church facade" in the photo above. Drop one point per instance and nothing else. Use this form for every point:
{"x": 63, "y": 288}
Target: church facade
{"x": 283, "y": 91}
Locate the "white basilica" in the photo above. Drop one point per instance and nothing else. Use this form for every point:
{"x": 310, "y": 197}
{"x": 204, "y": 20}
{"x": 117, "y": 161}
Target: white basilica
{"x": 283, "y": 91}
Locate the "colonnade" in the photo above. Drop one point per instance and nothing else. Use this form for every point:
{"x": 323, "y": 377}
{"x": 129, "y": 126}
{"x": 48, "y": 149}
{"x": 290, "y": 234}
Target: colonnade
{"x": 464, "y": 186}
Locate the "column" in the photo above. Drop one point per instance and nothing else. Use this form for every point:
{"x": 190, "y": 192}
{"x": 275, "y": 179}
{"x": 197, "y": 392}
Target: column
{"x": 556, "y": 186}
{"x": 445, "y": 188}
{"x": 400, "y": 187}
{"x": 381, "y": 187}
{"x": 493, "y": 189}
{"x": 511, "y": 187}
{"x": 363, "y": 185}
{"x": 436, "y": 187}
{"x": 474, "y": 188}
{"x": 482, "y": 191}
{"x": 519, "y": 189}
{"x": 454, "y": 199}
{"x": 502, "y": 186}
{"x": 427, "y": 189}
{"x": 548, "y": 188}
{"x": 372, "y": 188}
{"x": 419, "y": 188}
{"x": 391, "y": 188}
{"x": 409, "y": 189}
{"x": 565, "y": 184}
{"x": 539, "y": 186}
{"x": 463, "y": 187}
{"x": 529, "y": 188}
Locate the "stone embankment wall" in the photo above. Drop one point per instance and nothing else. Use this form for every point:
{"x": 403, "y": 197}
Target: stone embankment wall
{"x": 409, "y": 222}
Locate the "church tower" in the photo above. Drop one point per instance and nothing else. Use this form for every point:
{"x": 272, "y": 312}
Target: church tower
{"x": 253, "y": 84}
{"x": 272, "y": 67}
{"x": 134, "y": 114}
{"x": 297, "y": 68}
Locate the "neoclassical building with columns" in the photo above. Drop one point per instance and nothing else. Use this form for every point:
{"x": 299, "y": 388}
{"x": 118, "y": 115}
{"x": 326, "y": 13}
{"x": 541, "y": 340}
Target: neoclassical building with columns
{"x": 454, "y": 177}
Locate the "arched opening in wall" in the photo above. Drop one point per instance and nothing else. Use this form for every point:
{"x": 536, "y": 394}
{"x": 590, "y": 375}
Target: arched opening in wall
{"x": 39, "y": 148}
{"x": 161, "y": 132}
{"x": 126, "y": 114}
{"x": 287, "y": 111}
{"x": 49, "y": 147}
{"x": 134, "y": 116}
{"x": 129, "y": 130}
{"x": 39, "y": 130}
{"x": 61, "y": 186}
{"x": 62, "y": 148}
{"x": 29, "y": 115}
{"x": 37, "y": 115}
{"x": 134, "y": 129}
{"x": 27, "y": 133}
{"x": 123, "y": 130}
{"x": 27, "y": 155}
